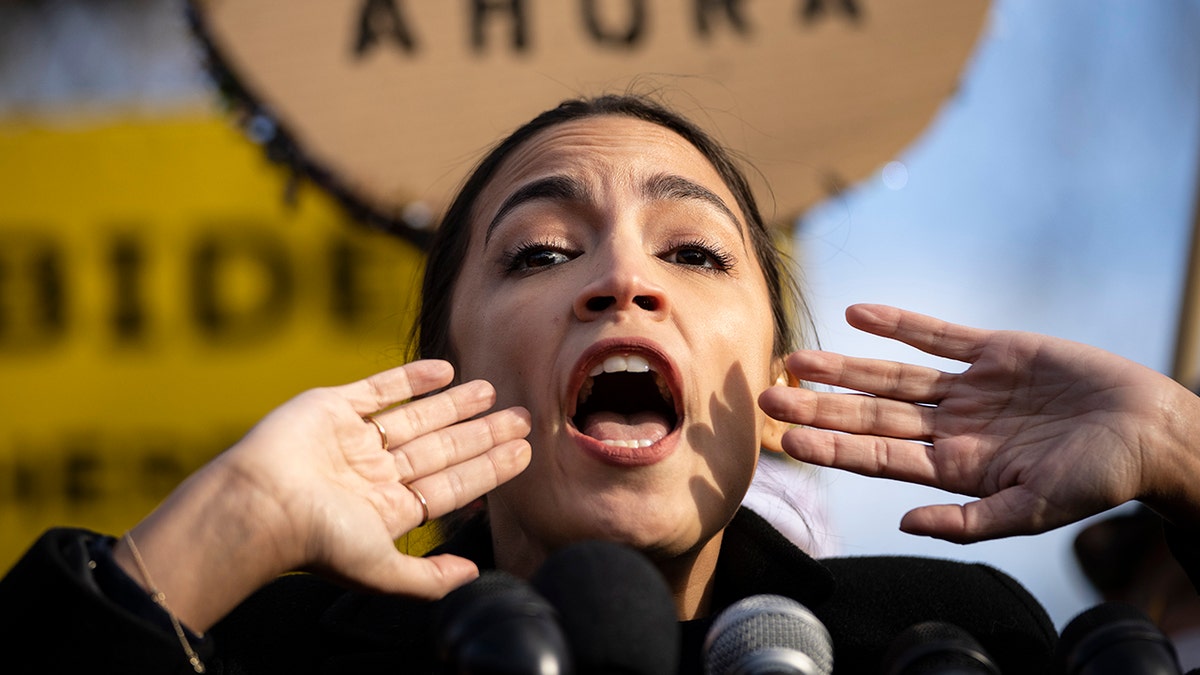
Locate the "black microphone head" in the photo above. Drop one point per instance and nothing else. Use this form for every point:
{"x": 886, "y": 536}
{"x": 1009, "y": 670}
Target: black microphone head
{"x": 936, "y": 647}
{"x": 499, "y": 625}
{"x": 615, "y": 608}
{"x": 767, "y": 634}
{"x": 1112, "y": 638}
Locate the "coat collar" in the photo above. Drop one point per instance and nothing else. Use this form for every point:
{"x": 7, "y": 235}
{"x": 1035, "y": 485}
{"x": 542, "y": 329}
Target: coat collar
{"x": 755, "y": 559}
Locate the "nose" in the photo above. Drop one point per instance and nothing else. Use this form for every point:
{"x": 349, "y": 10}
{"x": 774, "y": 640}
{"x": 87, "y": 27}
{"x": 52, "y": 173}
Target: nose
{"x": 622, "y": 281}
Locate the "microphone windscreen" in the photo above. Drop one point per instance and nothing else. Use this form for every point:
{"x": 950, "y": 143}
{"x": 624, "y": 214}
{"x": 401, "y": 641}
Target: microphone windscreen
{"x": 1115, "y": 638}
{"x": 767, "y": 634}
{"x": 499, "y": 625}
{"x": 937, "y": 648}
{"x": 615, "y": 608}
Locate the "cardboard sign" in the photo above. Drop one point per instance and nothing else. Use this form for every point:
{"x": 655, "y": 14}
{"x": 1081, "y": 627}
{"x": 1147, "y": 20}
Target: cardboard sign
{"x": 389, "y": 102}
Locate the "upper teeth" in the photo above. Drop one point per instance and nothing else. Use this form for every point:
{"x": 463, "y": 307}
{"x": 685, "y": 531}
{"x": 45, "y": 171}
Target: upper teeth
{"x": 623, "y": 363}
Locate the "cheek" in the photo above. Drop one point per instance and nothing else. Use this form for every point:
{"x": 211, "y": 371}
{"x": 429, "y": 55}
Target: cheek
{"x": 471, "y": 328}
{"x": 479, "y": 346}
{"x": 747, "y": 372}
{"x": 742, "y": 361}
{"x": 747, "y": 331}
{"x": 502, "y": 336}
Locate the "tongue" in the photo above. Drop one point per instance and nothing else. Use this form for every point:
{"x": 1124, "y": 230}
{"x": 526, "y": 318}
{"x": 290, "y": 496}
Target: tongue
{"x": 611, "y": 426}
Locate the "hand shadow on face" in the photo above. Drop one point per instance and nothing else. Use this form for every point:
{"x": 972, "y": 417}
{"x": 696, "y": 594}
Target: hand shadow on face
{"x": 735, "y": 404}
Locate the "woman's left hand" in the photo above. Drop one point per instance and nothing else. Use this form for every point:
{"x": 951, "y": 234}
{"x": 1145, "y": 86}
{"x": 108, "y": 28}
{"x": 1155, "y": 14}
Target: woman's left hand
{"x": 1043, "y": 430}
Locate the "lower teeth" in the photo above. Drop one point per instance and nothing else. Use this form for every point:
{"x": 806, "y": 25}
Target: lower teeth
{"x": 643, "y": 443}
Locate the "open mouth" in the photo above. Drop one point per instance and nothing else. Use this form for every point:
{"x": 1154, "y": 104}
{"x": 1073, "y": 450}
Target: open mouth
{"x": 625, "y": 402}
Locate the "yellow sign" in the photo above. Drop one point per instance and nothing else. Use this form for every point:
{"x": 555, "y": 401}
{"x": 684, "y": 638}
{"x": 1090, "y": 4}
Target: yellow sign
{"x": 158, "y": 296}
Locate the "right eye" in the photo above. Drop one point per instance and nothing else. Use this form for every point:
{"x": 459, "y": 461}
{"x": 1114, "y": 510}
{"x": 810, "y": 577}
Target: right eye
{"x": 531, "y": 257}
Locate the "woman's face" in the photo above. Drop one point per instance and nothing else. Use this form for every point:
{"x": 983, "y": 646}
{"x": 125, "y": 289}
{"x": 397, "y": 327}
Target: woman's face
{"x": 611, "y": 288}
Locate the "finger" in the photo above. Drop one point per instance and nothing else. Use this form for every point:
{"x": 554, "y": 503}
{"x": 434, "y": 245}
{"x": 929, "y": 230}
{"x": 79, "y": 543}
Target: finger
{"x": 422, "y": 416}
{"x": 1010, "y": 512}
{"x": 929, "y": 334}
{"x": 875, "y": 456}
{"x": 392, "y": 386}
{"x": 852, "y": 413}
{"x": 433, "y": 452}
{"x": 427, "y": 578}
{"x": 460, "y": 484}
{"x": 900, "y": 381}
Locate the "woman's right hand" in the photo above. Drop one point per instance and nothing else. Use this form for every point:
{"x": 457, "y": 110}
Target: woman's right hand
{"x": 311, "y": 487}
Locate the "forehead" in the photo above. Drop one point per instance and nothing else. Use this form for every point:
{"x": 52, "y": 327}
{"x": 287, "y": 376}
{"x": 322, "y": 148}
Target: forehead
{"x": 607, "y": 152}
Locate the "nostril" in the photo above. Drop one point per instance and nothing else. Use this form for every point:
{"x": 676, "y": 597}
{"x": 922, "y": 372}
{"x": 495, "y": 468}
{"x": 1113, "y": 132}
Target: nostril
{"x": 600, "y": 303}
{"x": 646, "y": 302}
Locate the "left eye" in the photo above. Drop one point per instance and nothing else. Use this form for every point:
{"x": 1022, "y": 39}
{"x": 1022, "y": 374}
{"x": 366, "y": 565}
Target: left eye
{"x": 543, "y": 257}
{"x": 695, "y": 256}
{"x": 534, "y": 257}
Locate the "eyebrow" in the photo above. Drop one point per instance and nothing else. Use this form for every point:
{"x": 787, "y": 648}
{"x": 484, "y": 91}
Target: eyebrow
{"x": 665, "y": 186}
{"x": 660, "y": 187}
{"x": 552, "y": 188}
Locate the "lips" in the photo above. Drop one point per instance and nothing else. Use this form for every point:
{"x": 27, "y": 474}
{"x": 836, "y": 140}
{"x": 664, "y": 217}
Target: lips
{"x": 625, "y": 401}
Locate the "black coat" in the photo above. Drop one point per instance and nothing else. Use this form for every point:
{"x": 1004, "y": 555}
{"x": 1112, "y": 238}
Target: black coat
{"x": 303, "y": 624}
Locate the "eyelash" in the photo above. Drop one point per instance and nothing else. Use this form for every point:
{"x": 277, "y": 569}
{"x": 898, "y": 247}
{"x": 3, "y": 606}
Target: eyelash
{"x": 515, "y": 260}
{"x": 722, "y": 260}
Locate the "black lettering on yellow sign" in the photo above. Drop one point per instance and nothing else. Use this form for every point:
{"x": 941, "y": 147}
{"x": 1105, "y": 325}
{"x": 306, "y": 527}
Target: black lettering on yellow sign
{"x": 127, "y": 262}
{"x": 387, "y": 21}
{"x": 83, "y": 469}
{"x": 216, "y": 309}
{"x": 239, "y": 284}
{"x": 355, "y": 297}
{"x": 32, "y": 294}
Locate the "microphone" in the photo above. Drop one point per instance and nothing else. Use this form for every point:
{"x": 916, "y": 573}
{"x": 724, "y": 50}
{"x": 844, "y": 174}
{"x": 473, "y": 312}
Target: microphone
{"x": 765, "y": 634}
{"x": 1115, "y": 638}
{"x": 614, "y": 607}
{"x": 936, "y": 648}
{"x": 498, "y": 625}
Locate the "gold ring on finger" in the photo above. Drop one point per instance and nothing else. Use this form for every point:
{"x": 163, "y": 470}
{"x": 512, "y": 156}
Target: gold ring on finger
{"x": 421, "y": 498}
{"x": 383, "y": 439}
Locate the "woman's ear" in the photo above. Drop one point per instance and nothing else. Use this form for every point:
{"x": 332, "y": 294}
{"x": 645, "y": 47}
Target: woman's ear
{"x": 772, "y": 429}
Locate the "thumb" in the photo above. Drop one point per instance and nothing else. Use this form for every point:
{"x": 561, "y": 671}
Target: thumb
{"x": 1010, "y": 512}
{"x": 428, "y": 578}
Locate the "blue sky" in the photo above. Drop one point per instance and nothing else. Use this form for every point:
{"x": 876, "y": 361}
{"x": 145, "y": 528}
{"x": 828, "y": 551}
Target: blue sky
{"x": 1054, "y": 193}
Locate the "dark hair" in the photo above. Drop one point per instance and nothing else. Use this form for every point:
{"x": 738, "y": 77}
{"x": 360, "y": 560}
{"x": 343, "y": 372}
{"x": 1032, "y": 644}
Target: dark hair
{"x": 450, "y": 243}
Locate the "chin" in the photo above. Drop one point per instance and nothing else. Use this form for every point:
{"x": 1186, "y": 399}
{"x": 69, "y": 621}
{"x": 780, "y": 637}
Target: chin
{"x": 657, "y": 531}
